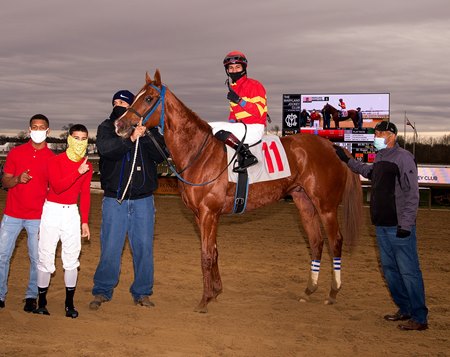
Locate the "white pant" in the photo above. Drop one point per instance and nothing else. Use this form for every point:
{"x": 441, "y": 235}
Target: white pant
{"x": 59, "y": 221}
{"x": 254, "y": 131}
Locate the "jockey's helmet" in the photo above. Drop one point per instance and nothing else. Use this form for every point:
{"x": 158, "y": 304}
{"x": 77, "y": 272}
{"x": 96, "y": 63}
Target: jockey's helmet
{"x": 235, "y": 57}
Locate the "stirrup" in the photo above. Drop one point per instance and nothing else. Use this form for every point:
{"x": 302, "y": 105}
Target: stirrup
{"x": 241, "y": 167}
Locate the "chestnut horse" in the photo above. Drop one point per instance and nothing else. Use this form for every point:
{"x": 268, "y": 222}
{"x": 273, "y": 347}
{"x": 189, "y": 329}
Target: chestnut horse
{"x": 318, "y": 183}
{"x": 351, "y": 114}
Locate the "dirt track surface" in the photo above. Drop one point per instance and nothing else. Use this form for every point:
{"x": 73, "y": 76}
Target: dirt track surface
{"x": 264, "y": 264}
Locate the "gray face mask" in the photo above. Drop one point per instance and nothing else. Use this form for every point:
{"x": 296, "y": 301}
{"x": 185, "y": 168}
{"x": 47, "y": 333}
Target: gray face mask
{"x": 38, "y": 136}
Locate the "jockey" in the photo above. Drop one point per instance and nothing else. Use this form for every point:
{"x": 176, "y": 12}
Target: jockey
{"x": 343, "y": 107}
{"x": 248, "y": 105}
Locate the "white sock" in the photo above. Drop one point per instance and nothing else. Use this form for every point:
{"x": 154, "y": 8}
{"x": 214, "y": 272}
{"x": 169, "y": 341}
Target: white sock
{"x": 43, "y": 279}
{"x": 70, "y": 278}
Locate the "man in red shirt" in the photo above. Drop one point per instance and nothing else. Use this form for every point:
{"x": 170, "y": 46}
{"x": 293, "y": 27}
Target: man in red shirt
{"x": 248, "y": 105}
{"x": 315, "y": 119}
{"x": 26, "y": 178}
{"x": 70, "y": 177}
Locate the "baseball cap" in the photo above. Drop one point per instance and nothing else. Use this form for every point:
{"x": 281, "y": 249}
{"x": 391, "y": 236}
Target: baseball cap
{"x": 124, "y": 95}
{"x": 386, "y": 126}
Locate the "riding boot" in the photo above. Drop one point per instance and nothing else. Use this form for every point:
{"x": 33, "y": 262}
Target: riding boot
{"x": 245, "y": 157}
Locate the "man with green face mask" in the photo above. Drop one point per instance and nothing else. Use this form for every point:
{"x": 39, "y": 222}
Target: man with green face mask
{"x": 393, "y": 208}
{"x": 69, "y": 179}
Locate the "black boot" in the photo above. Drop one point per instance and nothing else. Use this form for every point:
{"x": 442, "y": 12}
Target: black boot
{"x": 245, "y": 157}
{"x": 42, "y": 304}
{"x": 70, "y": 308}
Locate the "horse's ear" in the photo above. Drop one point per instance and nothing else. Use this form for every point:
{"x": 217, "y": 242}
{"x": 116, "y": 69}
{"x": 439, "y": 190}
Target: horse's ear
{"x": 157, "y": 78}
{"x": 147, "y": 78}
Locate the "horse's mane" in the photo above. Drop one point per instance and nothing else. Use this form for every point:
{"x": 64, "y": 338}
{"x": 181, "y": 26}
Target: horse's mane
{"x": 194, "y": 117}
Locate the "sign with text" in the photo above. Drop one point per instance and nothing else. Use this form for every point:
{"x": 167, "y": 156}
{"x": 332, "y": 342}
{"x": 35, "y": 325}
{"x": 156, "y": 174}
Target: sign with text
{"x": 291, "y": 114}
{"x": 358, "y": 142}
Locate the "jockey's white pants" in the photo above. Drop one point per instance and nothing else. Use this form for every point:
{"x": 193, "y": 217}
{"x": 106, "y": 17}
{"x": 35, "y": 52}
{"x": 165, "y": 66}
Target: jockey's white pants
{"x": 254, "y": 131}
{"x": 59, "y": 222}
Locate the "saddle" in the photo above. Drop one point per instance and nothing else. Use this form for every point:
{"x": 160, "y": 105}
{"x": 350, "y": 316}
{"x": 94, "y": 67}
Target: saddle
{"x": 272, "y": 165}
{"x": 272, "y": 161}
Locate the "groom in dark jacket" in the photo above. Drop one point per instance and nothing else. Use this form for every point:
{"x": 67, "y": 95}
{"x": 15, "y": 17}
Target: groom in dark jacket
{"x": 126, "y": 209}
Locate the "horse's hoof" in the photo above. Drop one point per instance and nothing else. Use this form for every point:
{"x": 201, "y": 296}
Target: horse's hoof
{"x": 202, "y": 309}
{"x": 304, "y": 298}
{"x": 330, "y": 301}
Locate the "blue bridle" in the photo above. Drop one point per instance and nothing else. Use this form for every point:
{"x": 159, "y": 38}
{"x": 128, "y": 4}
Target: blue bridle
{"x": 146, "y": 116}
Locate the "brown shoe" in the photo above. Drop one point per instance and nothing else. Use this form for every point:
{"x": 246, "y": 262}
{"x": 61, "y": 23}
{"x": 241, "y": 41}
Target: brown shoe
{"x": 144, "y": 301}
{"x": 412, "y": 325}
{"x": 397, "y": 317}
{"x": 98, "y": 300}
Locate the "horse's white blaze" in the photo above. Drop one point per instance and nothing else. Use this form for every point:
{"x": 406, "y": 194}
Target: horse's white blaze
{"x": 138, "y": 96}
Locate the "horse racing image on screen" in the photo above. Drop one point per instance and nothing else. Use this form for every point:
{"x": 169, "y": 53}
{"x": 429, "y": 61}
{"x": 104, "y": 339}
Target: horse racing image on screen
{"x": 343, "y": 107}
{"x": 346, "y": 119}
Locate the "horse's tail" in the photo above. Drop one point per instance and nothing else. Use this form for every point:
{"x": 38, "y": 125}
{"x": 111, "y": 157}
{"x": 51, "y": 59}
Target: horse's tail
{"x": 352, "y": 209}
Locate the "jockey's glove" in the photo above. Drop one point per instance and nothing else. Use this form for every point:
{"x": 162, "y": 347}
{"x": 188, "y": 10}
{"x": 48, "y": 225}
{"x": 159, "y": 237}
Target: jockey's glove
{"x": 402, "y": 233}
{"x": 341, "y": 153}
{"x": 232, "y": 96}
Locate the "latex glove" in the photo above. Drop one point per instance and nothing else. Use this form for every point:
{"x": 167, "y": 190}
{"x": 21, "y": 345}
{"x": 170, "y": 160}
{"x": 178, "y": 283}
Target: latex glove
{"x": 341, "y": 153}
{"x": 402, "y": 233}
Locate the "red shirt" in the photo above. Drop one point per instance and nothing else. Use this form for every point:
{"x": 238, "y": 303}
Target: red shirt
{"x": 315, "y": 116}
{"x": 67, "y": 184}
{"x": 254, "y": 111}
{"x": 25, "y": 201}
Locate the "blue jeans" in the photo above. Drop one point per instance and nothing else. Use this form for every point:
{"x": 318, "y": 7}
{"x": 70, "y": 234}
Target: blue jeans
{"x": 135, "y": 217}
{"x": 9, "y": 230}
{"x": 401, "y": 269}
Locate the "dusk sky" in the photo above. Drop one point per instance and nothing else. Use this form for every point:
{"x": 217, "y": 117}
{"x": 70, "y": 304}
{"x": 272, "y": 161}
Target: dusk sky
{"x": 66, "y": 59}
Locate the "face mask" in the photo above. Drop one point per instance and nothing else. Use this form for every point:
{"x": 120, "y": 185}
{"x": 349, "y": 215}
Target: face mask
{"x": 118, "y": 111}
{"x": 380, "y": 143}
{"x": 76, "y": 149}
{"x": 38, "y": 136}
{"x": 237, "y": 75}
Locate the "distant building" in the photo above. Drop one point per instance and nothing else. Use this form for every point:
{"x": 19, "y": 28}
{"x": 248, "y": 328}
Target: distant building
{"x": 5, "y": 148}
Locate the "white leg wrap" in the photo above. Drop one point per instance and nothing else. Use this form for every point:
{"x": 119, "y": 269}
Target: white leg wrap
{"x": 337, "y": 273}
{"x": 315, "y": 269}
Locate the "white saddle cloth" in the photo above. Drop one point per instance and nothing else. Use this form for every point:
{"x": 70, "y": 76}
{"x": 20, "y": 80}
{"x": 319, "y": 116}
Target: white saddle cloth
{"x": 272, "y": 161}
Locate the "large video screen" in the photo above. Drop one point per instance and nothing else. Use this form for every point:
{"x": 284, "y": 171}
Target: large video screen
{"x": 306, "y": 113}
{"x": 373, "y": 107}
